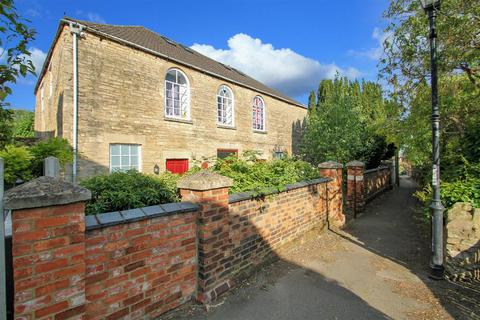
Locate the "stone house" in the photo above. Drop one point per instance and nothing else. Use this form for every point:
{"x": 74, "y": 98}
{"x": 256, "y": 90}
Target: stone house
{"x": 144, "y": 101}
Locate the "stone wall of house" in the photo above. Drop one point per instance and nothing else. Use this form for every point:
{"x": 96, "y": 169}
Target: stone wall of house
{"x": 121, "y": 100}
{"x": 56, "y": 117}
{"x": 462, "y": 242}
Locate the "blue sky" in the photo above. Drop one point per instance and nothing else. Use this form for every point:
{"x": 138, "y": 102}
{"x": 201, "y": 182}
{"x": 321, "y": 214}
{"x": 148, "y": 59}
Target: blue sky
{"x": 289, "y": 45}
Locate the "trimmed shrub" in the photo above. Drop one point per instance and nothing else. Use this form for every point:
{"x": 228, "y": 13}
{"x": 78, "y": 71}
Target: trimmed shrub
{"x": 129, "y": 190}
{"x": 54, "y": 147}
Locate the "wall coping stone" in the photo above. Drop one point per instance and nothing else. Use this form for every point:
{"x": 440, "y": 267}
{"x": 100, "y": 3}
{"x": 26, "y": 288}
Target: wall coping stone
{"x": 355, "y": 163}
{"x": 330, "y": 165}
{"x": 204, "y": 180}
{"x": 44, "y": 192}
{"x": 249, "y": 195}
{"x": 108, "y": 219}
{"x": 376, "y": 169}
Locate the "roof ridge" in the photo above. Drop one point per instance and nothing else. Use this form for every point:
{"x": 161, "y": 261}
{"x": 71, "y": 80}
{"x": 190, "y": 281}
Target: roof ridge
{"x": 104, "y": 24}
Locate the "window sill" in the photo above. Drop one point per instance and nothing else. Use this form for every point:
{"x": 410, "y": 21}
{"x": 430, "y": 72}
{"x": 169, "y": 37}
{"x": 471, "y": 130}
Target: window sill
{"x": 178, "y": 120}
{"x": 222, "y": 126}
{"x": 260, "y": 131}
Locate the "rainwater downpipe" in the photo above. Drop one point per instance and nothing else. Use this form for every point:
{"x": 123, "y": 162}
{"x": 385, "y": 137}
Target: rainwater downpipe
{"x": 76, "y": 31}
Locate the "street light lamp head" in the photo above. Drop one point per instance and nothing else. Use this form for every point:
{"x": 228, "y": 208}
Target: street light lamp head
{"x": 430, "y": 4}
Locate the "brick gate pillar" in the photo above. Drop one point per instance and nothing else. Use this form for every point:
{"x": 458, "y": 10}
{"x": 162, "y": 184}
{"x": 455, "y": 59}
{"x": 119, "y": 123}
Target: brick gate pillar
{"x": 355, "y": 187}
{"x": 334, "y": 170}
{"x": 48, "y": 234}
{"x": 210, "y": 191}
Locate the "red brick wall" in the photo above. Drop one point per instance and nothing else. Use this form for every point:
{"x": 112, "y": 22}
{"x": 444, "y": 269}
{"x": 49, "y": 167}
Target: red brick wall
{"x": 48, "y": 261}
{"x": 238, "y": 236}
{"x": 376, "y": 181}
{"x": 141, "y": 268}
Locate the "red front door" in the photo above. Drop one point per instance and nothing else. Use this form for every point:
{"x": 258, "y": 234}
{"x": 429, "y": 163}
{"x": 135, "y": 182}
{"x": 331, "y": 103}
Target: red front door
{"x": 177, "y": 165}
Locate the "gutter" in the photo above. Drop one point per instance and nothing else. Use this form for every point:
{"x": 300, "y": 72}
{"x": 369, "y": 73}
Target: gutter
{"x": 158, "y": 54}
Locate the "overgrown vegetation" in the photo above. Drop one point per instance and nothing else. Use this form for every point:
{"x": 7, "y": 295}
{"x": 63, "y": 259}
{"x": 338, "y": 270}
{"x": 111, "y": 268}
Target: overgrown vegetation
{"x": 347, "y": 121}
{"x": 131, "y": 189}
{"x": 23, "y": 124}
{"x": 406, "y": 66}
{"x": 250, "y": 174}
{"x": 24, "y": 163}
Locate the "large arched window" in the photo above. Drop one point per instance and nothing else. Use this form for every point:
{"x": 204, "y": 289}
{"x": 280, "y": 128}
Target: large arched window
{"x": 258, "y": 114}
{"x": 225, "y": 108}
{"x": 177, "y": 95}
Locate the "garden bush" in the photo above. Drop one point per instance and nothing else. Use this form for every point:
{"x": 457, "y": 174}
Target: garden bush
{"x": 17, "y": 164}
{"x": 54, "y": 147}
{"x": 253, "y": 174}
{"x": 129, "y": 190}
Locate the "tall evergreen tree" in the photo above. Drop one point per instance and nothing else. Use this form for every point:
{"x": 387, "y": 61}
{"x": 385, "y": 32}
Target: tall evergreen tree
{"x": 312, "y": 102}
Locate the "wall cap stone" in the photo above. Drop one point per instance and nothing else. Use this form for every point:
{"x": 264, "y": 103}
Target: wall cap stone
{"x": 355, "y": 163}
{"x": 330, "y": 165}
{"x": 204, "y": 180}
{"x": 44, "y": 192}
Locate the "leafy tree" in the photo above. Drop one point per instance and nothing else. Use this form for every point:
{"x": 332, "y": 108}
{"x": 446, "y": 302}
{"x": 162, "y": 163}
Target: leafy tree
{"x": 312, "y": 101}
{"x": 23, "y": 124}
{"x": 406, "y": 62}
{"x": 349, "y": 123}
{"x": 15, "y": 60}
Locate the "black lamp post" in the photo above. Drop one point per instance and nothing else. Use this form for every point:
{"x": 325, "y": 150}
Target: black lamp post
{"x": 436, "y": 264}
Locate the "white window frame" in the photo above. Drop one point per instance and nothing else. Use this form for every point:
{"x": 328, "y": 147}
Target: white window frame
{"x": 254, "y": 124}
{"x": 230, "y": 101}
{"x": 183, "y": 108}
{"x": 129, "y": 155}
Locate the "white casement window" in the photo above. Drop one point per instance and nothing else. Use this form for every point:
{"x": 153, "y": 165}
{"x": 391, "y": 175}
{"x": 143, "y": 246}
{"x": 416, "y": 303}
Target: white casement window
{"x": 258, "y": 114}
{"x": 125, "y": 157}
{"x": 177, "y": 95}
{"x": 225, "y": 107}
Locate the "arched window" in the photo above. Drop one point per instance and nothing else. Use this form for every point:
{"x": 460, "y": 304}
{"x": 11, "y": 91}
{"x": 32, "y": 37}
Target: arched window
{"x": 258, "y": 114}
{"x": 177, "y": 95}
{"x": 225, "y": 106}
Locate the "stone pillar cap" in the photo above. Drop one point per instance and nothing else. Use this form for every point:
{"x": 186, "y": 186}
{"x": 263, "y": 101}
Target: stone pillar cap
{"x": 204, "y": 180}
{"x": 355, "y": 163}
{"x": 330, "y": 165}
{"x": 44, "y": 192}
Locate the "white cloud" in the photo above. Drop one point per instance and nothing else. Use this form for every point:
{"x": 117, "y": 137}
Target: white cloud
{"x": 376, "y": 52}
{"x": 38, "y": 58}
{"x": 90, "y": 16}
{"x": 283, "y": 68}
{"x": 95, "y": 17}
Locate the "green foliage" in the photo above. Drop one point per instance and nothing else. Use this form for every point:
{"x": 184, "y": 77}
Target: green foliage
{"x": 54, "y": 147}
{"x": 6, "y": 126}
{"x": 251, "y": 174}
{"x": 465, "y": 188}
{"x": 14, "y": 38}
{"x": 17, "y": 161}
{"x": 23, "y": 124}
{"x": 348, "y": 123}
{"x": 128, "y": 190}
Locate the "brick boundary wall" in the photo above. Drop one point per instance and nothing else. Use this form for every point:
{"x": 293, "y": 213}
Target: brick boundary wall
{"x": 142, "y": 262}
{"x": 240, "y": 232}
{"x": 376, "y": 181}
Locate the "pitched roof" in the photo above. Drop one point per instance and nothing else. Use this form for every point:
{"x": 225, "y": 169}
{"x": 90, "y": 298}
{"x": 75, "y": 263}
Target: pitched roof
{"x": 144, "y": 39}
